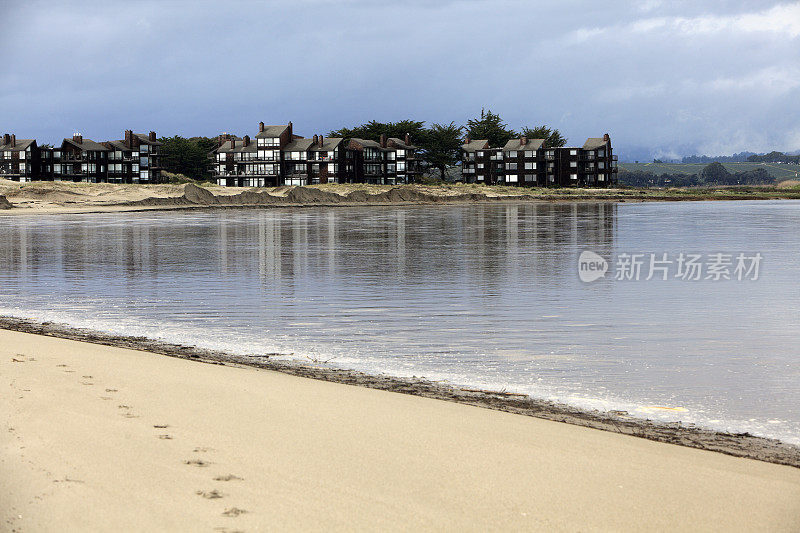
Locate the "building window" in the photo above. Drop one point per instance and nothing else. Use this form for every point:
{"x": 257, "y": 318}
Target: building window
{"x": 573, "y": 164}
{"x": 480, "y": 165}
{"x": 573, "y": 176}
{"x": 511, "y": 178}
{"x": 530, "y": 165}
{"x": 480, "y": 154}
{"x": 528, "y": 153}
{"x": 530, "y": 177}
{"x": 512, "y": 153}
{"x": 573, "y": 152}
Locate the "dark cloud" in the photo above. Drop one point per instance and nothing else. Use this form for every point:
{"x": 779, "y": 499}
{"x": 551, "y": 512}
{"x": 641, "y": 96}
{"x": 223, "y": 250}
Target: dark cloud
{"x": 661, "y": 77}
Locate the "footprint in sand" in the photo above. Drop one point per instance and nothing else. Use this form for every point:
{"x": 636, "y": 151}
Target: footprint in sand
{"x": 196, "y": 462}
{"x": 227, "y": 477}
{"x": 233, "y": 511}
{"x": 203, "y": 450}
{"x": 165, "y": 437}
{"x": 161, "y": 426}
{"x": 210, "y": 495}
{"x": 62, "y": 365}
{"x": 105, "y": 397}
{"x": 111, "y": 390}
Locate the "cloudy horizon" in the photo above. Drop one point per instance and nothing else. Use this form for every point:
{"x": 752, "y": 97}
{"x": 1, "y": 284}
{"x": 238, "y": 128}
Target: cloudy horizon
{"x": 664, "y": 79}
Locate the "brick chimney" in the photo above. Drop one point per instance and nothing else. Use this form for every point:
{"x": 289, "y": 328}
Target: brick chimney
{"x": 13, "y": 139}
{"x": 291, "y": 133}
{"x": 152, "y": 136}
{"x": 78, "y": 138}
{"x": 606, "y": 138}
{"x": 466, "y": 141}
{"x": 316, "y": 139}
{"x": 246, "y": 141}
{"x": 408, "y": 138}
{"x": 233, "y": 144}
{"x": 383, "y": 140}
{"x": 523, "y": 141}
{"x": 129, "y": 138}
{"x": 260, "y": 127}
{"x": 321, "y": 140}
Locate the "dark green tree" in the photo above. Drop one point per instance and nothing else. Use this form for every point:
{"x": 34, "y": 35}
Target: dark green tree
{"x": 442, "y": 146}
{"x": 552, "y": 137}
{"x": 189, "y": 157}
{"x": 373, "y": 129}
{"x": 491, "y": 127}
{"x": 715, "y": 173}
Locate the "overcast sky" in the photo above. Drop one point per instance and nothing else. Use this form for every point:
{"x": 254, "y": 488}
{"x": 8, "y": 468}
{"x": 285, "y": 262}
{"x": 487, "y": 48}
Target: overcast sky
{"x": 663, "y": 78}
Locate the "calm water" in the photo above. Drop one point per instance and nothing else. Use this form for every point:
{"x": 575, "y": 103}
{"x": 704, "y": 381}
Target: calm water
{"x": 484, "y": 296}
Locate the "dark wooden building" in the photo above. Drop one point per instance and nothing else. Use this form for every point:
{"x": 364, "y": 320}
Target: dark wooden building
{"x": 134, "y": 159}
{"x": 530, "y": 162}
{"x": 20, "y": 159}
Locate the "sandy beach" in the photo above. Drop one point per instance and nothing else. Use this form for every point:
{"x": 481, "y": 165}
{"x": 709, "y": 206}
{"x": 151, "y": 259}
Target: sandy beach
{"x": 103, "y": 438}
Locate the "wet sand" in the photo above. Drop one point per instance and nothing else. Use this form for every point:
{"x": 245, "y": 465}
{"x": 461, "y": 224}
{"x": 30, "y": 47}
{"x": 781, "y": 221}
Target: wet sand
{"x": 98, "y": 437}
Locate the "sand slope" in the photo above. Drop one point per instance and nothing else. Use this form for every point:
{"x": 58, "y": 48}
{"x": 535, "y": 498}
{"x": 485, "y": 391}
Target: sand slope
{"x": 97, "y": 438}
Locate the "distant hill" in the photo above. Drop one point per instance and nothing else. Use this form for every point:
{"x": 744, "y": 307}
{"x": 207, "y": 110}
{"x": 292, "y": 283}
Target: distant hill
{"x": 778, "y": 171}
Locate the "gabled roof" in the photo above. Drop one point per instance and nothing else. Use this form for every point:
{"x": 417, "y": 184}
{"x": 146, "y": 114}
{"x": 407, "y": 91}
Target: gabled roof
{"x": 298, "y": 145}
{"x": 20, "y": 146}
{"x": 531, "y": 144}
{"x": 119, "y": 145}
{"x": 400, "y": 143}
{"x": 238, "y": 147}
{"x": 480, "y": 144}
{"x": 328, "y": 144}
{"x": 272, "y": 131}
{"x": 87, "y": 145}
{"x": 145, "y": 139}
{"x": 368, "y": 144}
{"x": 593, "y": 143}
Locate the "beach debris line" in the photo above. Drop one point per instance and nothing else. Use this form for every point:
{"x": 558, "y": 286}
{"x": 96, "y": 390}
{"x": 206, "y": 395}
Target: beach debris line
{"x": 495, "y": 393}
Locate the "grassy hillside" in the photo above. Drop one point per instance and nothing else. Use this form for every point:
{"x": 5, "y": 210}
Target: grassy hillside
{"x": 779, "y": 172}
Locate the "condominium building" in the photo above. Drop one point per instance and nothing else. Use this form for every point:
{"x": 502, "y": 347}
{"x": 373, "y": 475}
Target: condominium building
{"x": 530, "y": 162}
{"x": 134, "y": 159}
{"x": 19, "y": 158}
{"x": 282, "y": 158}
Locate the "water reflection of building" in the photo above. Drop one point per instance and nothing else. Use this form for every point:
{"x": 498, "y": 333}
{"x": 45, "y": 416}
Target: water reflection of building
{"x": 392, "y": 248}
